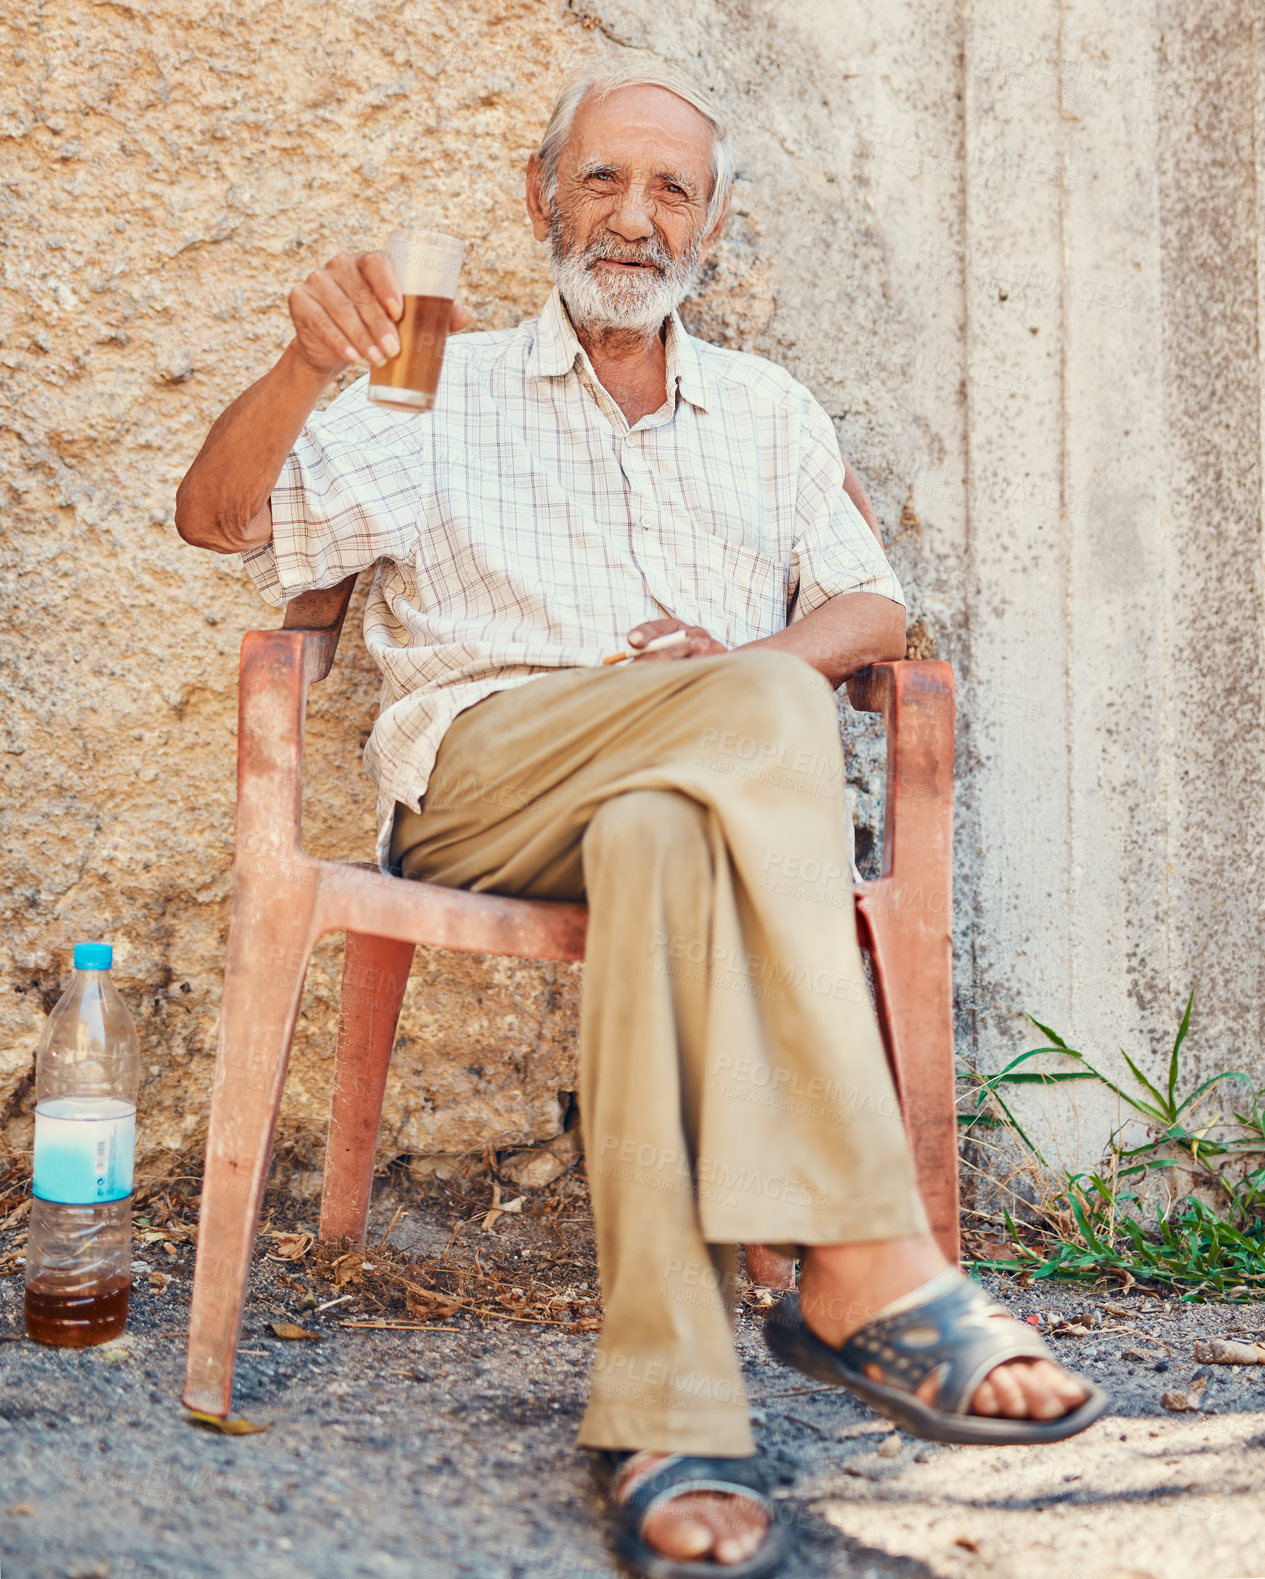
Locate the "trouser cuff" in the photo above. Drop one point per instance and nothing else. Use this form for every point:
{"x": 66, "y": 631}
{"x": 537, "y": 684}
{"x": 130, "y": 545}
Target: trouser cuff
{"x": 720, "y": 1433}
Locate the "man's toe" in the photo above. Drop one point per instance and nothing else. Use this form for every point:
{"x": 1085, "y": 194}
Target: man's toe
{"x": 737, "y": 1548}
{"x": 676, "y": 1535}
{"x": 1013, "y": 1400}
{"x": 985, "y": 1401}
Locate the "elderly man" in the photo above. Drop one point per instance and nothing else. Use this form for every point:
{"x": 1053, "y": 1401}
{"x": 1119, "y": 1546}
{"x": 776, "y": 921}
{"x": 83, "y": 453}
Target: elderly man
{"x": 587, "y": 482}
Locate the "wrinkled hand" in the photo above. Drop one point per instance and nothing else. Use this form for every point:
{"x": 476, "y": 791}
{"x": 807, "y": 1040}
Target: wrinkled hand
{"x": 698, "y": 643}
{"x": 348, "y": 311}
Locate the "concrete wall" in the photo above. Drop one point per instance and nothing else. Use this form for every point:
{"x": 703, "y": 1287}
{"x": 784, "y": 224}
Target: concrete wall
{"x": 1014, "y": 250}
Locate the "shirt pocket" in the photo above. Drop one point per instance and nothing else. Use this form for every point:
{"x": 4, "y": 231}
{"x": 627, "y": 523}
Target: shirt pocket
{"x": 739, "y": 592}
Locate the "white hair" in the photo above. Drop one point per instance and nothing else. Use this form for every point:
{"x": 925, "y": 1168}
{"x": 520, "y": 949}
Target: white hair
{"x": 600, "y": 85}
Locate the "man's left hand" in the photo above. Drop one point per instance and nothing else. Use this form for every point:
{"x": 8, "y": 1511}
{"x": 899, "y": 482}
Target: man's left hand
{"x": 695, "y": 641}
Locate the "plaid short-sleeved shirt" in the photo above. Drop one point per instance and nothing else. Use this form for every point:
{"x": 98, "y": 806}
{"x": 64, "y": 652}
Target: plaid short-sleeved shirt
{"x": 523, "y": 527}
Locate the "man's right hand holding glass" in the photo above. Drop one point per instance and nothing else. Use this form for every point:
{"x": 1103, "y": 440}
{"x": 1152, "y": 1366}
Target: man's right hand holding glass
{"x": 342, "y": 314}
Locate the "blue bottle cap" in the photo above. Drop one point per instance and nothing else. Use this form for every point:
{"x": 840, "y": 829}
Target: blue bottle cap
{"x": 94, "y": 956}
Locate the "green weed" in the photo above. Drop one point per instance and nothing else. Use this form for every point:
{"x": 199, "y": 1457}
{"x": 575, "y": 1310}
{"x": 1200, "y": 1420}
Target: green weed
{"x": 1206, "y": 1236}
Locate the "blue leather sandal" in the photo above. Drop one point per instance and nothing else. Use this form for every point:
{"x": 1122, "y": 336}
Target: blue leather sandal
{"x": 954, "y": 1335}
{"x": 676, "y": 1475}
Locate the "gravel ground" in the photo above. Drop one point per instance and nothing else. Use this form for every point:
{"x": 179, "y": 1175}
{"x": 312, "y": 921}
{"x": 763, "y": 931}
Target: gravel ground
{"x": 451, "y": 1452}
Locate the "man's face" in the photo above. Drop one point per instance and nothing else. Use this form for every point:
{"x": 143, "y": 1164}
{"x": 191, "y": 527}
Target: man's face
{"x": 625, "y": 228}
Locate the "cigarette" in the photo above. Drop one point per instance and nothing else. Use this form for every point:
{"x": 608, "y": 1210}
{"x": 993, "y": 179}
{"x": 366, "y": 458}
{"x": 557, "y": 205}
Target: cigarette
{"x": 672, "y": 639}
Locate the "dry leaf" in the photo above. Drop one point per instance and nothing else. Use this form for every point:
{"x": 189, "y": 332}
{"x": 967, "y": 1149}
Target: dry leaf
{"x": 176, "y": 1233}
{"x": 1228, "y": 1351}
{"x": 499, "y": 1207}
{"x": 292, "y": 1247}
{"x": 968, "y": 1543}
{"x": 288, "y": 1329}
{"x": 158, "y": 1281}
{"x": 429, "y": 1304}
{"x": 16, "y": 1215}
{"x": 239, "y": 1427}
{"x": 347, "y": 1268}
{"x": 985, "y": 1249}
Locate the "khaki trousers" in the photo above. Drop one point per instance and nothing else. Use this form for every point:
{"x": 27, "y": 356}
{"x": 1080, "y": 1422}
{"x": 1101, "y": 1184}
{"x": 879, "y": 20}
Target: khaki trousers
{"x": 733, "y": 1084}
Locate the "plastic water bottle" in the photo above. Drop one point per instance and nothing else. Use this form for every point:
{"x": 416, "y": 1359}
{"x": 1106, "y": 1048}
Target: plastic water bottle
{"x": 79, "y": 1247}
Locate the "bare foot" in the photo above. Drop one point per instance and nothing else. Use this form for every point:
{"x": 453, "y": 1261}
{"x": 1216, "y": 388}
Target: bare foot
{"x": 697, "y": 1523}
{"x": 843, "y": 1287}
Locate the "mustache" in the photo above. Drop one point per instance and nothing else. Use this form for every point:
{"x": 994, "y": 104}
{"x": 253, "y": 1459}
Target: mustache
{"x": 611, "y": 249}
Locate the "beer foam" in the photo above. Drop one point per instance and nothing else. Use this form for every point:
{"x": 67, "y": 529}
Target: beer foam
{"x": 426, "y": 262}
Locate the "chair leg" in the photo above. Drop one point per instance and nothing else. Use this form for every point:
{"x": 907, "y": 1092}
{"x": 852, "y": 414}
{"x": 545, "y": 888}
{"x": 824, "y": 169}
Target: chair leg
{"x": 375, "y": 974}
{"x": 913, "y": 985}
{"x": 268, "y": 947}
{"x": 769, "y": 1268}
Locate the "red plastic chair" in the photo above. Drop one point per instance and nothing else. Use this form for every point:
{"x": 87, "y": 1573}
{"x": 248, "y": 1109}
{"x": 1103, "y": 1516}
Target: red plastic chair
{"x": 283, "y": 900}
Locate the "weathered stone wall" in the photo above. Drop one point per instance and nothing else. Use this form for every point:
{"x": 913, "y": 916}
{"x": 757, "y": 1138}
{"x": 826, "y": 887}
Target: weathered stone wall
{"x": 1017, "y": 256}
{"x": 169, "y": 171}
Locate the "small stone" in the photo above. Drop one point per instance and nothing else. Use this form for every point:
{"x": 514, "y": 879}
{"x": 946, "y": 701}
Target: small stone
{"x": 532, "y": 1170}
{"x": 890, "y": 1446}
{"x": 440, "y": 1166}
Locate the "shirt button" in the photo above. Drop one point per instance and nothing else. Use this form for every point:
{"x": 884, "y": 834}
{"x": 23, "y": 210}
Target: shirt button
{"x": 645, "y": 523}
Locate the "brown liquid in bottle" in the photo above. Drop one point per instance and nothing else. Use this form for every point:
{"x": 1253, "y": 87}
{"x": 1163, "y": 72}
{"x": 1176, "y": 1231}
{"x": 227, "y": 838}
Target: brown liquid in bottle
{"x": 414, "y": 373}
{"x": 76, "y": 1318}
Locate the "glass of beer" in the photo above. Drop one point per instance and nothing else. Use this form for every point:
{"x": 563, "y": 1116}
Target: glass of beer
{"x": 426, "y": 265}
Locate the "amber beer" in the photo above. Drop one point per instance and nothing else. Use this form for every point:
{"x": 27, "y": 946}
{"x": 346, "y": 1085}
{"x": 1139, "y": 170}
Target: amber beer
{"x": 427, "y": 265}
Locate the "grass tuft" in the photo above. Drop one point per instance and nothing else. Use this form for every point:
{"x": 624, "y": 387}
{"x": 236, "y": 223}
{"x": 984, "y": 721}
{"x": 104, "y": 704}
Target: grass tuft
{"x": 1185, "y": 1207}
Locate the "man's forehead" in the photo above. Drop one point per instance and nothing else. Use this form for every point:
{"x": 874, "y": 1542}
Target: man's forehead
{"x": 639, "y": 122}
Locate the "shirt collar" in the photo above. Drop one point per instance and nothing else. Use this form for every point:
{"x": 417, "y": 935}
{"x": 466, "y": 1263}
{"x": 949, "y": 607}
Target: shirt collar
{"x": 556, "y": 347}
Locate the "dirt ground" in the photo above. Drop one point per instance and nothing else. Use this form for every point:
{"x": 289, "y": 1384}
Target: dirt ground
{"x": 444, "y": 1445}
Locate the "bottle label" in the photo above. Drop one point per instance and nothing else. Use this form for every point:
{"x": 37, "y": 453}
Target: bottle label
{"x": 84, "y": 1150}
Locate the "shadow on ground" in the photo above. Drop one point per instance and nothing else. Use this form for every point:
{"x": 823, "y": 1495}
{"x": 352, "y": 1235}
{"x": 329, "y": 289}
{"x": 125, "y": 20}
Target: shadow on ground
{"x": 443, "y": 1444}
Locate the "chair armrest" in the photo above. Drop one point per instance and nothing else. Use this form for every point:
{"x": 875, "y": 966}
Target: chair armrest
{"x": 277, "y": 667}
{"x": 916, "y": 699}
{"x": 320, "y": 616}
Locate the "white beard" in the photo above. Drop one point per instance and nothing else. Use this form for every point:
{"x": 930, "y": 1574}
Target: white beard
{"x": 634, "y": 299}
